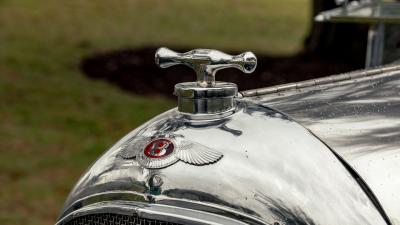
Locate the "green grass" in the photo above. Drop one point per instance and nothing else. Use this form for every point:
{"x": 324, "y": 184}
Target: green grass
{"x": 54, "y": 121}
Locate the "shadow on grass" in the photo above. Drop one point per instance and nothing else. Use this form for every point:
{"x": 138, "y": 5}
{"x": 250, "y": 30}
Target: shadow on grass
{"x": 134, "y": 70}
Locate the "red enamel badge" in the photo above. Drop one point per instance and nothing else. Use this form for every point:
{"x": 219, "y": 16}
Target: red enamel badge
{"x": 162, "y": 152}
{"x": 159, "y": 148}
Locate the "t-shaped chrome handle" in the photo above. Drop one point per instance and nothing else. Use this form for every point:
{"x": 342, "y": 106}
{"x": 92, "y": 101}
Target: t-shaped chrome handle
{"x": 206, "y": 62}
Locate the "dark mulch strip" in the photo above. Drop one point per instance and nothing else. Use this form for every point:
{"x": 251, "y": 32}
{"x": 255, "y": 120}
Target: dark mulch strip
{"x": 134, "y": 70}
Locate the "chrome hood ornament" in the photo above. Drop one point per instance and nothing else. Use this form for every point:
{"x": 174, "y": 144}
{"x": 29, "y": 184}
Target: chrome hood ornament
{"x": 206, "y": 95}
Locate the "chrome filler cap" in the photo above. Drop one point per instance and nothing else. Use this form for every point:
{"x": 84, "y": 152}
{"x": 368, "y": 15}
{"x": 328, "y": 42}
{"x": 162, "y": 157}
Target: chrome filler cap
{"x": 206, "y": 96}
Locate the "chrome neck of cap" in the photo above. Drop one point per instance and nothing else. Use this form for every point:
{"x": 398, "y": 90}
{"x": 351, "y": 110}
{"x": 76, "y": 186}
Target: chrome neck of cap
{"x": 193, "y": 99}
{"x": 205, "y": 105}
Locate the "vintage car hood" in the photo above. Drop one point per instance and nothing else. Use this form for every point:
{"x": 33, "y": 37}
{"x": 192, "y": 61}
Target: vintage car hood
{"x": 358, "y": 116}
{"x": 271, "y": 170}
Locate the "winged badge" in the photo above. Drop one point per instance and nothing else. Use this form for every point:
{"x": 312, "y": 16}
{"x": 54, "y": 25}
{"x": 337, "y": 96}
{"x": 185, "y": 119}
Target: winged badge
{"x": 162, "y": 152}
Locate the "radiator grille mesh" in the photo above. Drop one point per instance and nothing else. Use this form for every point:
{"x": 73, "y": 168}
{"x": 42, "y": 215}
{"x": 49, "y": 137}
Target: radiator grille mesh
{"x": 115, "y": 219}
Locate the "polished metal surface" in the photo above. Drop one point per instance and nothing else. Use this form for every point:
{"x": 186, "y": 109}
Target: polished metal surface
{"x": 108, "y": 218}
{"x": 358, "y": 118}
{"x": 272, "y": 171}
{"x": 329, "y": 80}
{"x": 206, "y": 62}
{"x": 131, "y": 213}
{"x": 383, "y": 19}
{"x": 375, "y": 47}
{"x": 206, "y": 96}
{"x": 205, "y": 100}
{"x": 369, "y": 12}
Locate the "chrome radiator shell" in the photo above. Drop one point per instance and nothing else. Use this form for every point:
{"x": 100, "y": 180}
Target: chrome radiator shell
{"x": 357, "y": 115}
{"x": 271, "y": 171}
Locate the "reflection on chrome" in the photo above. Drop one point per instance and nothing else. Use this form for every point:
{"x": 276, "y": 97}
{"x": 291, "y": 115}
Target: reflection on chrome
{"x": 274, "y": 171}
{"x": 359, "y": 119}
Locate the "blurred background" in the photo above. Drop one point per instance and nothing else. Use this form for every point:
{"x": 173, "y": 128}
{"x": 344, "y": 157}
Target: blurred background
{"x": 77, "y": 75}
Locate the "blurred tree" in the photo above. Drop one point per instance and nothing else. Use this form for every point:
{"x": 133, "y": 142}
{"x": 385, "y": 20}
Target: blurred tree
{"x": 340, "y": 41}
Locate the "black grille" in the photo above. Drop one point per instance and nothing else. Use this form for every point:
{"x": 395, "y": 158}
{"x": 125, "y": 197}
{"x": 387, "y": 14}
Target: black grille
{"x": 115, "y": 219}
